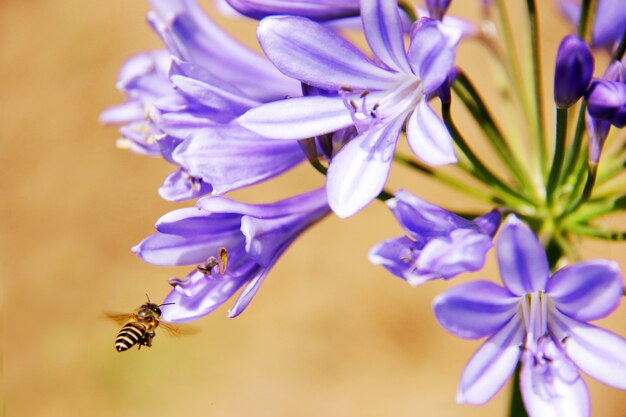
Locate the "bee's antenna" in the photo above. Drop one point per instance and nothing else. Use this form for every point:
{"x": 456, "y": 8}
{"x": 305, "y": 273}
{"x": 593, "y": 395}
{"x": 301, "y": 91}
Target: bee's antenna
{"x": 166, "y": 304}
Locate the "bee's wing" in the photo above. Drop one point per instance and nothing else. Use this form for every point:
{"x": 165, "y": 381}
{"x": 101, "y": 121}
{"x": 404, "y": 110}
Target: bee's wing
{"x": 119, "y": 318}
{"x": 177, "y": 331}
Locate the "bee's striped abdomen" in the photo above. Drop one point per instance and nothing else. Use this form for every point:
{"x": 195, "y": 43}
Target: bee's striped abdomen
{"x": 130, "y": 334}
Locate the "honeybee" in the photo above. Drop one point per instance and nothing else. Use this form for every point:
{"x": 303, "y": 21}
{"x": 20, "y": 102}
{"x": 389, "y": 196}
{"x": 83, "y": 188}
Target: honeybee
{"x": 138, "y": 327}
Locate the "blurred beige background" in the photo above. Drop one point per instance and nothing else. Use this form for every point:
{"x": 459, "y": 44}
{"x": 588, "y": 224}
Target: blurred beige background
{"x": 327, "y": 335}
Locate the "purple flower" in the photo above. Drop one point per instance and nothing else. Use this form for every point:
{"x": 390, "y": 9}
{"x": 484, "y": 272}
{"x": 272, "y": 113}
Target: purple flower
{"x": 609, "y": 23}
{"x": 376, "y": 97}
{"x": 573, "y": 71}
{"x": 439, "y": 244}
{"x": 313, "y": 9}
{"x": 255, "y": 236}
{"x": 540, "y": 319}
{"x": 192, "y": 100}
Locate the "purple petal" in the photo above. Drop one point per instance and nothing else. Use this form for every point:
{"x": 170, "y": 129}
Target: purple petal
{"x": 421, "y": 219}
{"x": 174, "y": 250}
{"x": 464, "y": 250}
{"x": 197, "y": 83}
{"x": 248, "y": 293}
{"x": 492, "y": 364}
{"x": 200, "y": 295}
{"x": 547, "y": 394}
{"x": 383, "y": 29}
{"x": 475, "y": 310}
{"x": 316, "y": 55}
{"x": 193, "y": 221}
{"x": 489, "y": 222}
{"x": 588, "y": 290}
{"x": 313, "y": 9}
{"x": 188, "y": 236}
{"x": 192, "y": 36}
{"x": 597, "y": 352}
{"x": 233, "y": 157}
{"x": 301, "y": 203}
{"x": 398, "y": 257}
{"x": 266, "y": 238}
{"x": 521, "y": 258}
{"x": 432, "y": 51}
{"x": 429, "y": 138}
{"x": 180, "y": 186}
{"x": 298, "y": 118}
{"x": 358, "y": 173}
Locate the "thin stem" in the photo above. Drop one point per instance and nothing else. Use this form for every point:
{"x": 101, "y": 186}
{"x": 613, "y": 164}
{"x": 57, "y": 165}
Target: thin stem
{"x": 536, "y": 76}
{"x": 575, "y": 150}
{"x": 513, "y": 62}
{"x": 587, "y": 14}
{"x": 384, "y": 195}
{"x": 559, "y": 153}
{"x": 447, "y": 180}
{"x": 621, "y": 49}
{"x": 517, "y": 405}
{"x": 468, "y": 94}
{"x": 506, "y": 192}
{"x": 594, "y": 209}
{"x": 591, "y": 179}
{"x": 408, "y": 9}
{"x": 606, "y": 234}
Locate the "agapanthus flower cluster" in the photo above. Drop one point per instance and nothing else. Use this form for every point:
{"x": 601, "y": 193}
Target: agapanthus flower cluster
{"x": 227, "y": 118}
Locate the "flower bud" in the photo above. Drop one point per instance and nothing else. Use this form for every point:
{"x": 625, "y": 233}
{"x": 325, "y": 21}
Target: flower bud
{"x": 606, "y": 100}
{"x": 573, "y": 71}
{"x": 437, "y": 8}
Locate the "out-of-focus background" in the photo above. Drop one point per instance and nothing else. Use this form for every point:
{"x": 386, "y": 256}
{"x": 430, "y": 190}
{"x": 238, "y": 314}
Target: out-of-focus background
{"x": 328, "y": 334}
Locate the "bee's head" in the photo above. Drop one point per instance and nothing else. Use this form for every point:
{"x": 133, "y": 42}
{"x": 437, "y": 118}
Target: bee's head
{"x": 154, "y": 307}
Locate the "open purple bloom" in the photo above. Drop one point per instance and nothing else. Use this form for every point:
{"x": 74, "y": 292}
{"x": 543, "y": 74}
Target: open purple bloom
{"x": 377, "y": 97}
{"x": 143, "y": 78}
{"x": 192, "y": 93}
{"x": 254, "y": 236}
{"x": 313, "y": 9}
{"x": 540, "y": 319}
{"x": 573, "y": 71}
{"x": 609, "y": 22}
{"x": 439, "y": 244}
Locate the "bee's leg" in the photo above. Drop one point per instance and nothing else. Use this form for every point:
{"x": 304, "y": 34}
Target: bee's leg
{"x": 148, "y": 339}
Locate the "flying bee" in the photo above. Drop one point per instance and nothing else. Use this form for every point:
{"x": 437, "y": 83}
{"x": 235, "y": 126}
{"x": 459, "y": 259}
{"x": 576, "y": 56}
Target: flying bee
{"x": 221, "y": 261}
{"x": 138, "y": 327}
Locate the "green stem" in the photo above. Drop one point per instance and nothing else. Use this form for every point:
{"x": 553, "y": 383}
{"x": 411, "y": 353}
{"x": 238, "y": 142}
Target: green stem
{"x": 517, "y": 408}
{"x": 594, "y": 209}
{"x": 384, "y": 195}
{"x": 520, "y": 202}
{"x": 513, "y": 62}
{"x": 447, "y": 180}
{"x": 587, "y": 14}
{"x": 606, "y": 234}
{"x": 559, "y": 152}
{"x": 536, "y": 77}
{"x": 575, "y": 150}
{"x": 468, "y": 94}
{"x": 621, "y": 49}
{"x": 408, "y": 9}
